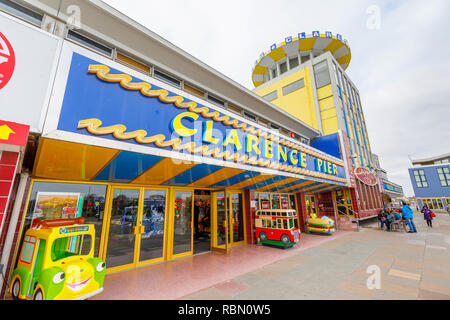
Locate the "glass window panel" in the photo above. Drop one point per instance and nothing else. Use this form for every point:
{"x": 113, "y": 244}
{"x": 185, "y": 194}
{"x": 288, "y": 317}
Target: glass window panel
{"x": 283, "y": 67}
{"x": 293, "y": 86}
{"x": 322, "y": 74}
{"x": 153, "y": 218}
{"x": 89, "y": 43}
{"x": 27, "y": 252}
{"x": 264, "y": 201}
{"x": 435, "y": 205}
{"x": 273, "y": 72}
{"x": 182, "y": 222}
{"x": 275, "y": 201}
{"x": 121, "y": 236}
{"x": 70, "y": 200}
{"x": 237, "y": 217}
{"x": 293, "y": 62}
{"x": 21, "y": 12}
{"x": 166, "y": 78}
{"x": 304, "y": 58}
{"x": 271, "y": 96}
{"x": 216, "y": 100}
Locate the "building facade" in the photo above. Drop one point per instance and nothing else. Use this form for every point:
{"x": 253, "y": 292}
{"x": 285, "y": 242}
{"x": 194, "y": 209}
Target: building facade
{"x": 392, "y": 193}
{"x": 141, "y": 139}
{"x": 430, "y": 178}
{"x": 305, "y": 76}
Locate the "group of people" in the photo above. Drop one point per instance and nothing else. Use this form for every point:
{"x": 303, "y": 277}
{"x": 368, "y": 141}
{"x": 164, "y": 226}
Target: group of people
{"x": 388, "y": 216}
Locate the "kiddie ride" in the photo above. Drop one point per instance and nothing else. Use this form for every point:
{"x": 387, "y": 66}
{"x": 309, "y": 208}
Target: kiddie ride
{"x": 320, "y": 224}
{"x": 277, "y": 227}
{"x": 57, "y": 262}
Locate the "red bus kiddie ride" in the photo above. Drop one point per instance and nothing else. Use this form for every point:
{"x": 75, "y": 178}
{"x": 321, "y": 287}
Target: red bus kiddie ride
{"x": 277, "y": 227}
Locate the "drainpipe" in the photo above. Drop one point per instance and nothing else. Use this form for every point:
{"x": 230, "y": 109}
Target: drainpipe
{"x": 13, "y": 225}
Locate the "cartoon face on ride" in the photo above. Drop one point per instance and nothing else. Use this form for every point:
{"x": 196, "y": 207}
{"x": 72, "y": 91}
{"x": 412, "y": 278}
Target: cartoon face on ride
{"x": 56, "y": 262}
{"x": 277, "y": 227}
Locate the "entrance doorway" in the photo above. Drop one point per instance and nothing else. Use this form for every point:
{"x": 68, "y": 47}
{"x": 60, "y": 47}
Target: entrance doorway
{"x": 343, "y": 201}
{"x": 135, "y": 228}
{"x": 202, "y": 221}
{"x": 144, "y": 225}
{"x": 228, "y": 220}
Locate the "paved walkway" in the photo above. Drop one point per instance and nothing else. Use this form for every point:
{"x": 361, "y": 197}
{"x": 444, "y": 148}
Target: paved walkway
{"x": 178, "y": 278}
{"x": 412, "y": 265}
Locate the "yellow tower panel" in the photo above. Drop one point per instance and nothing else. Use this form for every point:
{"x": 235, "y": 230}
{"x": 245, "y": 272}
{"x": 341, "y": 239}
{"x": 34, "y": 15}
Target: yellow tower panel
{"x": 329, "y": 121}
{"x": 324, "y": 92}
{"x": 326, "y": 103}
{"x": 299, "y": 103}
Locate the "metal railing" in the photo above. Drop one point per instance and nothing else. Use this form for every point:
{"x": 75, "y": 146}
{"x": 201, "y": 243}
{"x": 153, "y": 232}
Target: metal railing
{"x": 353, "y": 213}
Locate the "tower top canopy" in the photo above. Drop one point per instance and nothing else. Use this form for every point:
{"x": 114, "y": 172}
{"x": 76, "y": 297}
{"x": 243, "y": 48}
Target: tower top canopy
{"x": 316, "y": 42}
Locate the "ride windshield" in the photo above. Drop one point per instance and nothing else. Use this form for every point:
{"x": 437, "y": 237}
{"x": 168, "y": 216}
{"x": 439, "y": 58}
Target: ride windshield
{"x": 69, "y": 246}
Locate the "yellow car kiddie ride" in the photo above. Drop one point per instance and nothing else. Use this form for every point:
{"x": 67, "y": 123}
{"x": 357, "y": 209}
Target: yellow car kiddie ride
{"x": 321, "y": 225}
{"x": 57, "y": 262}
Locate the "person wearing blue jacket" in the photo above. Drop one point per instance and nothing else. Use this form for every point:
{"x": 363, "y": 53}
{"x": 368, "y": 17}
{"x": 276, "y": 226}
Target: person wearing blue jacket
{"x": 408, "y": 215}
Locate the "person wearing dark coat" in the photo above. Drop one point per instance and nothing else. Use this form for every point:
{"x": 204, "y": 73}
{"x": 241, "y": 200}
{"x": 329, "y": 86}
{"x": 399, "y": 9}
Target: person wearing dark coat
{"x": 427, "y": 215}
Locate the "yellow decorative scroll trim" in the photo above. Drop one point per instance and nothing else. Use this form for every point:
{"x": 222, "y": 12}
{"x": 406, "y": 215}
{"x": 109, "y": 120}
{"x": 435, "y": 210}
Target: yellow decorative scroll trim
{"x": 102, "y": 73}
{"x": 118, "y": 131}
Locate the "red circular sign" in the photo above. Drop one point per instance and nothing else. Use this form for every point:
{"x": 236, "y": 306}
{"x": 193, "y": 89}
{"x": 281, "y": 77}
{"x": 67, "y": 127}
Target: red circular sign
{"x": 365, "y": 176}
{"x": 7, "y": 61}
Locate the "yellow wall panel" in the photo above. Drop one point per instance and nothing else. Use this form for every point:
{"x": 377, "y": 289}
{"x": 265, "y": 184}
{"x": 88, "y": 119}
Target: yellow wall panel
{"x": 330, "y": 113}
{"x": 326, "y": 103}
{"x": 324, "y": 92}
{"x": 64, "y": 160}
{"x": 299, "y": 103}
{"x": 330, "y": 125}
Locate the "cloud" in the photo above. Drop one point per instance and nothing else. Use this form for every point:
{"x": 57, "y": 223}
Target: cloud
{"x": 401, "y": 70}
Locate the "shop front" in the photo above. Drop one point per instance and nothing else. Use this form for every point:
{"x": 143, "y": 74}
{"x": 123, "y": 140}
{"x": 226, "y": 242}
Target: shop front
{"x": 161, "y": 174}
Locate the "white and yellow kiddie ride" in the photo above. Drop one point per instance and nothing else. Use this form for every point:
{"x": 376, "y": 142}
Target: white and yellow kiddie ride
{"x": 320, "y": 224}
{"x": 57, "y": 262}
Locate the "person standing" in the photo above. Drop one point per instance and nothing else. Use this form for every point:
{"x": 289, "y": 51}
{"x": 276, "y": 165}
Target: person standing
{"x": 408, "y": 215}
{"x": 427, "y": 215}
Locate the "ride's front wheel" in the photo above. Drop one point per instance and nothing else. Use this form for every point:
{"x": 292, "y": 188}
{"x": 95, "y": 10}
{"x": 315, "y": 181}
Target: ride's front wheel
{"x": 38, "y": 295}
{"x": 262, "y": 236}
{"x": 16, "y": 289}
{"x": 285, "y": 239}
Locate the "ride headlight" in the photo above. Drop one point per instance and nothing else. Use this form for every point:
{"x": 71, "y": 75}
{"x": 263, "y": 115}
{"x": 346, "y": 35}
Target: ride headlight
{"x": 100, "y": 266}
{"x": 59, "y": 277}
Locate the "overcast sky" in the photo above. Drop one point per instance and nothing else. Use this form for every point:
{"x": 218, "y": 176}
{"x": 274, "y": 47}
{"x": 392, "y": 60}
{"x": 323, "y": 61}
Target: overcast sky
{"x": 400, "y": 57}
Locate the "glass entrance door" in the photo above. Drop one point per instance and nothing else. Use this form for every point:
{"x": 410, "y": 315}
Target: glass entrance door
{"x": 123, "y": 218}
{"x": 219, "y": 226}
{"x": 182, "y": 231}
{"x": 237, "y": 234}
{"x": 228, "y": 225}
{"x": 151, "y": 248}
{"x": 135, "y": 227}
